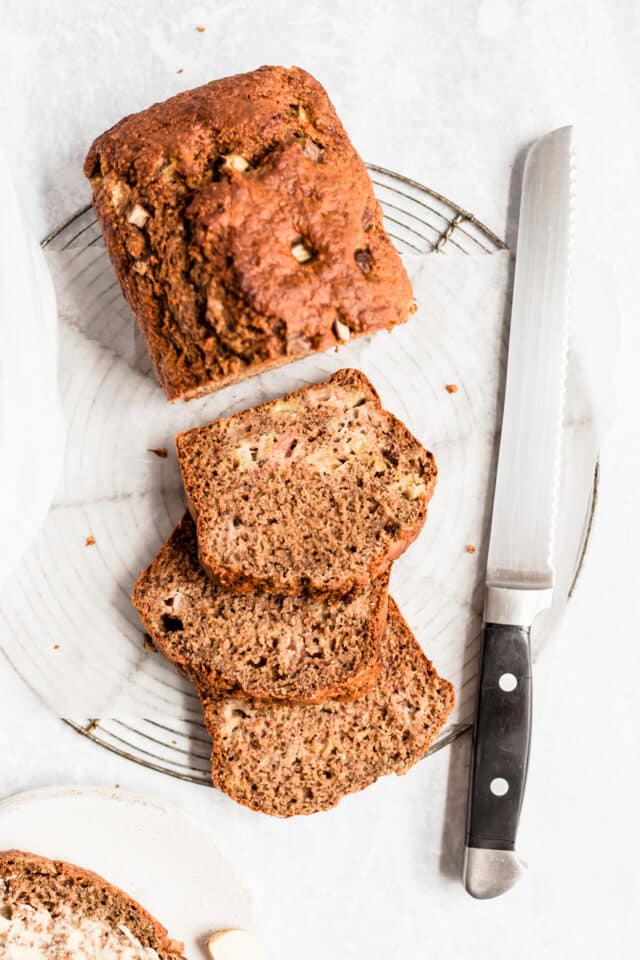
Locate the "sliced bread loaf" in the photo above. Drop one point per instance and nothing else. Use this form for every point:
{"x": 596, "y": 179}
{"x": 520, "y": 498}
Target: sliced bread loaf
{"x": 316, "y": 492}
{"x": 52, "y": 909}
{"x": 286, "y": 759}
{"x": 292, "y": 648}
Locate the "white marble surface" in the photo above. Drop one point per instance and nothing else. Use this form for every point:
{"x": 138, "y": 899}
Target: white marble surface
{"x": 447, "y": 93}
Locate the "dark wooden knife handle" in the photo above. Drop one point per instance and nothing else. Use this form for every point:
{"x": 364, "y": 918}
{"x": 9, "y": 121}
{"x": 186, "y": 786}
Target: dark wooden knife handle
{"x": 501, "y": 738}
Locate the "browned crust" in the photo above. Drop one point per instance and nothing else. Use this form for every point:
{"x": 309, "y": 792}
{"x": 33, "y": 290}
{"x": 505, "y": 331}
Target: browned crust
{"x": 208, "y": 275}
{"x": 19, "y": 861}
{"x": 235, "y": 580}
{"x": 214, "y": 682}
{"x": 202, "y": 391}
{"x": 223, "y": 780}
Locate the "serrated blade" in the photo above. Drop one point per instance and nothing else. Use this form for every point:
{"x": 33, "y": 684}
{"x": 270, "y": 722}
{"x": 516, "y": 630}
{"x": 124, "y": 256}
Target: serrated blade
{"x": 521, "y": 544}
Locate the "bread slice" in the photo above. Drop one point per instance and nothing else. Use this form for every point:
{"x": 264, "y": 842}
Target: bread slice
{"x": 292, "y": 648}
{"x": 316, "y": 492}
{"x": 49, "y": 908}
{"x": 286, "y": 759}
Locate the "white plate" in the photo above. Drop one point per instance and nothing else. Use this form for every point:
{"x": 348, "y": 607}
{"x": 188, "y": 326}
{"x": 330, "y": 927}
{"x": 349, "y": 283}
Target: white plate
{"x": 152, "y": 850}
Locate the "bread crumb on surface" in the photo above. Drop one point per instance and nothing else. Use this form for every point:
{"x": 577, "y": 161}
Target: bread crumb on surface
{"x": 470, "y": 548}
{"x": 451, "y": 387}
{"x": 56, "y": 646}
{"x": 179, "y": 70}
{"x": 201, "y": 29}
{"x": 159, "y": 452}
{"x": 89, "y": 542}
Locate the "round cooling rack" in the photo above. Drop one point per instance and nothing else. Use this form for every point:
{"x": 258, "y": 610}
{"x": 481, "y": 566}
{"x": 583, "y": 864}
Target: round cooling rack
{"x": 100, "y": 336}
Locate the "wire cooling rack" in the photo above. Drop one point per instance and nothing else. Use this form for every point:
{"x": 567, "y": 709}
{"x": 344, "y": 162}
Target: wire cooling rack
{"x": 419, "y": 220}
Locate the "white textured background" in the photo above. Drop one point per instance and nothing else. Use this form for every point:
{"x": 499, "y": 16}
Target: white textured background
{"x": 448, "y": 93}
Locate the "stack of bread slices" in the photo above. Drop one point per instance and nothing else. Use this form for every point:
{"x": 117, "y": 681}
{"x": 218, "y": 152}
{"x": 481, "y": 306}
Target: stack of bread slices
{"x": 272, "y": 595}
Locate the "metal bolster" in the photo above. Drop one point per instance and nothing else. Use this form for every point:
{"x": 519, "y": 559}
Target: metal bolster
{"x": 489, "y": 873}
{"x": 517, "y": 606}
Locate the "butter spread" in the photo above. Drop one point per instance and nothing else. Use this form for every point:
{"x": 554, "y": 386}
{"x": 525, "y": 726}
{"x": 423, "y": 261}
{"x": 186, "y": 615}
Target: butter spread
{"x": 27, "y": 933}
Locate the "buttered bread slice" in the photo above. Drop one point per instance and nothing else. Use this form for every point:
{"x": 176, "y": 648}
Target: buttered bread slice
{"x": 316, "y": 492}
{"x": 53, "y": 909}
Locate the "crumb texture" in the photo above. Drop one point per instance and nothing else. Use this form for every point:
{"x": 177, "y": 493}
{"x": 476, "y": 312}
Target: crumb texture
{"x": 298, "y": 759}
{"x": 316, "y": 492}
{"x": 53, "y": 909}
{"x": 289, "y": 648}
{"x": 243, "y": 228}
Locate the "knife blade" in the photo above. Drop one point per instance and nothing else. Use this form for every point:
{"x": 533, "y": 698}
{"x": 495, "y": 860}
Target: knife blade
{"x": 520, "y": 576}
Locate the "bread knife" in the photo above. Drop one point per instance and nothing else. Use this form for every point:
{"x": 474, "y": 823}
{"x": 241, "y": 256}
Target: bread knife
{"x": 520, "y": 575}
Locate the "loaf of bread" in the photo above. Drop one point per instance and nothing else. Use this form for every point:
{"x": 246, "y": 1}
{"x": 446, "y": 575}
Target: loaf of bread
{"x": 289, "y": 648}
{"x": 317, "y": 492}
{"x": 287, "y": 759}
{"x": 53, "y": 909}
{"x": 243, "y": 228}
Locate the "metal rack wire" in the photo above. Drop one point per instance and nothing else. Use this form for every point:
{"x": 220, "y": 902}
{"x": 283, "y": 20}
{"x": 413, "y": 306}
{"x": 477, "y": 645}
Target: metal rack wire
{"x": 419, "y": 220}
